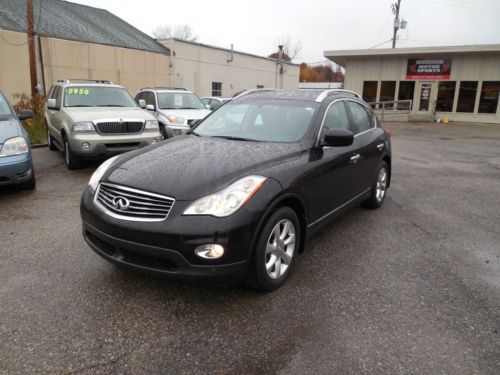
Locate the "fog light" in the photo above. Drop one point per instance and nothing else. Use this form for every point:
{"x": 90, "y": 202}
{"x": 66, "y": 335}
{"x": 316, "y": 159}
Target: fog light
{"x": 177, "y": 131}
{"x": 210, "y": 251}
{"x": 154, "y": 141}
{"x": 85, "y": 146}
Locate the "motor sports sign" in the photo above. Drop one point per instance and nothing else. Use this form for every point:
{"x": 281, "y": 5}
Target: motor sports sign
{"x": 428, "y": 69}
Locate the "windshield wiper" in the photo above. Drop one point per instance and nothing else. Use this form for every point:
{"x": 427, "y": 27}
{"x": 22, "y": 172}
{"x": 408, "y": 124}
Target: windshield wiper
{"x": 193, "y": 133}
{"x": 79, "y": 105}
{"x": 110, "y": 105}
{"x": 230, "y": 137}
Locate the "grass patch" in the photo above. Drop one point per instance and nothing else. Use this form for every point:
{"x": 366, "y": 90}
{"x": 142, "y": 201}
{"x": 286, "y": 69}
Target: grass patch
{"x": 36, "y": 125}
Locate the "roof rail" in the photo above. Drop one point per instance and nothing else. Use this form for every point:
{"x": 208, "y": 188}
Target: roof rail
{"x": 325, "y": 93}
{"x": 164, "y": 88}
{"x": 82, "y": 80}
{"x": 247, "y": 92}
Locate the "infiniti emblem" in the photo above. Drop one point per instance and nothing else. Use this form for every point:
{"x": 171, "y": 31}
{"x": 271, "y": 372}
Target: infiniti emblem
{"x": 121, "y": 203}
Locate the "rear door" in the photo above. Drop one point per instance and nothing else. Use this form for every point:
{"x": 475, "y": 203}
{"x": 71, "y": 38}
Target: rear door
{"x": 369, "y": 143}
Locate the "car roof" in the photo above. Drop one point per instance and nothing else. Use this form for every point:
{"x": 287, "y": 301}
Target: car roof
{"x": 87, "y": 83}
{"x": 312, "y": 95}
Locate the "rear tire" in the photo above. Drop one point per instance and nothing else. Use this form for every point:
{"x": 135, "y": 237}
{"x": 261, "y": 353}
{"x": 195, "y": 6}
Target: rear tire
{"x": 379, "y": 187}
{"x": 275, "y": 251}
{"x": 70, "y": 159}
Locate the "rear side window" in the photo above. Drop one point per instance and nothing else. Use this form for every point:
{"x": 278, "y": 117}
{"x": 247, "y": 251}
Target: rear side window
{"x": 151, "y": 99}
{"x": 336, "y": 117}
{"x": 360, "y": 117}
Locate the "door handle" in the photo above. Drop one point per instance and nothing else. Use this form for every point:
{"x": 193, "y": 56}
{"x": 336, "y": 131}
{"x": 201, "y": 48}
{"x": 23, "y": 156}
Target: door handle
{"x": 355, "y": 158}
{"x": 380, "y": 146}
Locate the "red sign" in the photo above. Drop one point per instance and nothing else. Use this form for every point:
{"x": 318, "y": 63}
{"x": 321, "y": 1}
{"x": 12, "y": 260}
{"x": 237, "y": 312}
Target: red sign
{"x": 428, "y": 69}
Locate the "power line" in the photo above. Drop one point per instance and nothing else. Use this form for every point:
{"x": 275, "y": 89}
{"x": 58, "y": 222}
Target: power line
{"x": 376, "y": 45}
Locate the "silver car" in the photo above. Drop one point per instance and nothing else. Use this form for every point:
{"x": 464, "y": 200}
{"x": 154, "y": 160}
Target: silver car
{"x": 95, "y": 119}
{"x": 175, "y": 108}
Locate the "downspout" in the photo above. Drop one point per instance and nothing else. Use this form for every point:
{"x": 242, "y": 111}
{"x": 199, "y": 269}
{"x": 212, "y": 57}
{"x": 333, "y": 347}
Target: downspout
{"x": 231, "y": 59}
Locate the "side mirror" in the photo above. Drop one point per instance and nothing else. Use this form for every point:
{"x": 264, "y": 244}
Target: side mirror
{"x": 25, "y": 114}
{"x": 337, "y": 138}
{"x": 150, "y": 107}
{"x": 51, "y": 104}
{"x": 208, "y": 106}
{"x": 142, "y": 103}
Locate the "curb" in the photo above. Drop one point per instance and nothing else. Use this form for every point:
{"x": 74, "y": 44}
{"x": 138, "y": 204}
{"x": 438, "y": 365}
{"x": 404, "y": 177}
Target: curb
{"x": 39, "y": 145}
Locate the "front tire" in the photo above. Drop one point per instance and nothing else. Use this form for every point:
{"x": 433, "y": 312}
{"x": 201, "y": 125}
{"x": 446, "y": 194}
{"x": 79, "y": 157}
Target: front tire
{"x": 70, "y": 158}
{"x": 379, "y": 187}
{"x": 275, "y": 251}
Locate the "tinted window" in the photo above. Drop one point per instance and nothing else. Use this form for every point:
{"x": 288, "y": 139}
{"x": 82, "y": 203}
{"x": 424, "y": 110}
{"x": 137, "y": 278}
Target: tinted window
{"x": 151, "y": 99}
{"x": 57, "y": 94}
{"x": 467, "y": 96}
{"x": 336, "y": 117}
{"x": 97, "y": 96}
{"x": 360, "y": 116}
{"x": 489, "y": 97}
{"x": 446, "y": 95}
{"x": 280, "y": 121}
{"x": 4, "y": 107}
{"x": 215, "y": 104}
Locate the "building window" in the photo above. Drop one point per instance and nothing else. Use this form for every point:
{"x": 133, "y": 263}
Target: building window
{"x": 260, "y": 86}
{"x": 488, "y": 102}
{"x": 388, "y": 92}
{"x": 370, "y": 91}
{"x": 467, "y": 96}
{"x": 446, "y": 94}
{"x": 406, "y": 92}
{"x": 216, "y": 88}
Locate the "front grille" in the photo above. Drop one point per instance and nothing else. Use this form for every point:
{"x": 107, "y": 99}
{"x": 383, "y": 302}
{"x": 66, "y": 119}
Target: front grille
{"x": 117, "y": 127}
{"x": 130, "y": 256}
{"x": 131, "y": 204}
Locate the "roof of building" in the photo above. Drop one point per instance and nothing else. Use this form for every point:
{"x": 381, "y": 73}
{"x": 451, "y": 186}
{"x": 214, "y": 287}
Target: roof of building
{"x": 70, "y": 21}
{"x": 341, "y": 56}
{"x": 222, "y": 49}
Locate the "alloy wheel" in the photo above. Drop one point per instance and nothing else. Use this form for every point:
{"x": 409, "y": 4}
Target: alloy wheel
{"x": 381, "y": 184}
{"x": 280, "y": 249}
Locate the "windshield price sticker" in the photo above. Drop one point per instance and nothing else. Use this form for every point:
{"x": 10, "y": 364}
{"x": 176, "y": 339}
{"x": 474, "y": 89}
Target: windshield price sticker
{"x": 178, "y": 100}
{"x": 76, "y": 91}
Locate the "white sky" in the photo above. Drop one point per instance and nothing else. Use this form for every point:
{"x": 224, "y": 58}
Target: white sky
{"x": 255, "y": 26}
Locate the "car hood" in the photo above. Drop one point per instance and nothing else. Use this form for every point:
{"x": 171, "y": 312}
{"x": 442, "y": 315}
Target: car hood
{"x": 107, "y": 113}
{"x": 189, "y": 167}
{"x": 188, "y": 114}
{"x": 9, "y": 127}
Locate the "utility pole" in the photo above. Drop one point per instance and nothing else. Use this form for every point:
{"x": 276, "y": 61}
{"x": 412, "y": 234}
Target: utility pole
{"x": 280, "y": 62}
{"x": 30, "y": 30}
{"x": 395, "y": 10}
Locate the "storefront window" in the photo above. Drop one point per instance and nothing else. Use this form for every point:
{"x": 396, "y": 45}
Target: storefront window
{"x": 406, "y": 92}
{"x": 489, "y": 97}
{"x": 388, "y": 92}
{"x": 467, "y": 96}
{"x": 370, "y": 91}
{"x": 446, "y": 94}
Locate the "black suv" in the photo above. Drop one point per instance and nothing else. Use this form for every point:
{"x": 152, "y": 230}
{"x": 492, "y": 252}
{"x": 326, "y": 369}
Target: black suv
{"x": 242, "y": 191}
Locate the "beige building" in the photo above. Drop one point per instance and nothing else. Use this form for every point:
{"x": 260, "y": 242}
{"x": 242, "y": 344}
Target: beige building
{"x": 77, "y": 41}
{"x": 215, "y": 71}
{"x": 461, "y": 83}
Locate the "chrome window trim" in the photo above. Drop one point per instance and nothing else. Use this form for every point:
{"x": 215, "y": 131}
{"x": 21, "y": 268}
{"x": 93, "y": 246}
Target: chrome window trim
{"x": 338, "y": 208}
{"x": 367, "y": 107}
{"x": 324, "y": 117}
{"x": 132, "y": 190}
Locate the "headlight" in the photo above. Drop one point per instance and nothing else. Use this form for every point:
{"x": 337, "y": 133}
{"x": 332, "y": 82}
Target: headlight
{"x": 14, "y": 146}
{"x": 96, "y": 177}
{"x": 83, "y": 126}
{"x": 151, "y": 125}
{"x": 176, "y": 120}
{"x": 227, "y": 201}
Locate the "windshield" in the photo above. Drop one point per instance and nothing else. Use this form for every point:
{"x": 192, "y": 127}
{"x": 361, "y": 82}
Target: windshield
{"x": 278, "y": 121}
{"x": 97, "y": 96}
{"x": 179, "y": 100}
{"x": 4, "y": 107}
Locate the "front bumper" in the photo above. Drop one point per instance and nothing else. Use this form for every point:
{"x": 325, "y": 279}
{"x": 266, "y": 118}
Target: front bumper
{"x": 167, "y": 247}
{"x": 15, "y": 169}
{"x": 108, "y": 145}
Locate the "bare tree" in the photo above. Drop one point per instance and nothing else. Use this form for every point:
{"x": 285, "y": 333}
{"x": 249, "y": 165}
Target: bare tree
{"x": 291, "y": 48}
{"x": 183, "y": 32}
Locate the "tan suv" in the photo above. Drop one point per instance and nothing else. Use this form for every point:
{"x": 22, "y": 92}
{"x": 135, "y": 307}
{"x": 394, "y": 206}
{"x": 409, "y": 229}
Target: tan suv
{"x": 95, "y": 119}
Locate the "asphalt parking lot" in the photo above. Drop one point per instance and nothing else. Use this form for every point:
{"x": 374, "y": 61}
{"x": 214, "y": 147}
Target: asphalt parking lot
{"x": 411, "y": 288}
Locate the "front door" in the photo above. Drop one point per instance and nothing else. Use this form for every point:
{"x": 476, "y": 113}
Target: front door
{"x": 425, "y": 92}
